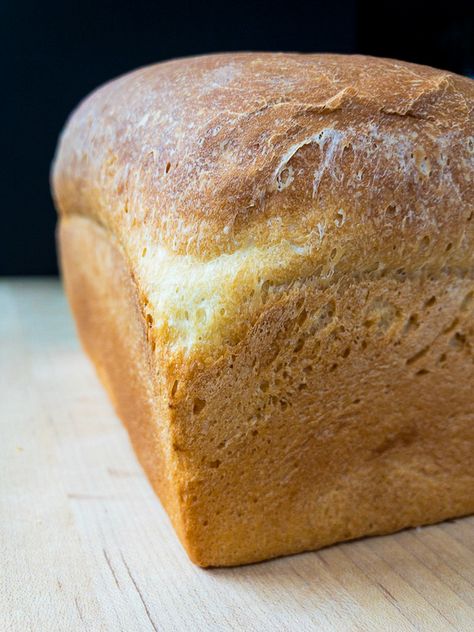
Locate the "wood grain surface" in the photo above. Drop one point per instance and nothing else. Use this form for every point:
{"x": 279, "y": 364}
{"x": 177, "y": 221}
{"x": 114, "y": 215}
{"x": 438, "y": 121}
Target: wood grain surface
{"x": 85, "y": 544}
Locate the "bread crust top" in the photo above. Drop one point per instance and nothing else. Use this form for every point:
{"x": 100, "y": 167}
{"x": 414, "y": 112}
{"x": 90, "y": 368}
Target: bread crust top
{"x": 218, "y": 152}
{"x": 223, "y": 176}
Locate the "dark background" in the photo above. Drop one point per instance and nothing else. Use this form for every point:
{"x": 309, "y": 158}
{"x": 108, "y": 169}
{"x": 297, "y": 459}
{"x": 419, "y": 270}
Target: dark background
{"x": 53, "y": 53}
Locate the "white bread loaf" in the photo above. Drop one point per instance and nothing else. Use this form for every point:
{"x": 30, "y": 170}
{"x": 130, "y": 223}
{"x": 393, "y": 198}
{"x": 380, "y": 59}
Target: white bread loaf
{"x": 270, "y": 260}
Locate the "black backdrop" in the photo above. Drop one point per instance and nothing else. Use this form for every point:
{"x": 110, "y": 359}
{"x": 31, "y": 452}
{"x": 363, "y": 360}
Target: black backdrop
{"x": 52, "y": 53}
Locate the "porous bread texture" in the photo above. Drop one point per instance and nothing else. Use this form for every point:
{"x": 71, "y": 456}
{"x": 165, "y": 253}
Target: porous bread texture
{"x": 298, "y": 235}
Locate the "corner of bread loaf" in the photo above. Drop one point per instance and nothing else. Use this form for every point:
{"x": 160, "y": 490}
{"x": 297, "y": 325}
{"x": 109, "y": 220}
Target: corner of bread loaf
{"x": 250, "y": 421}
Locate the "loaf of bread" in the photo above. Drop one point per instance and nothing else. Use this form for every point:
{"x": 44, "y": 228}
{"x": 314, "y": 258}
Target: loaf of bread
{"x": 270, "y": 260}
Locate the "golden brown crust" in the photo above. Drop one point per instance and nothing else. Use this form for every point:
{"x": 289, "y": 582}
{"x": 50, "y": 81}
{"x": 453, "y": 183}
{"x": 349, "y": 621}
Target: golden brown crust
{"x": 227, "y": 175}
{"x": 213, "y": 153}
{"x": 284, "y": 315}
{"x": 346, "y": 412}
{"x": 111, "y": 327}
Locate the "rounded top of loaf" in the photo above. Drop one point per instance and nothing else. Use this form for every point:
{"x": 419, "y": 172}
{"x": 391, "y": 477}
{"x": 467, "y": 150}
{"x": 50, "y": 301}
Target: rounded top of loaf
{"x": 212, "y": 154}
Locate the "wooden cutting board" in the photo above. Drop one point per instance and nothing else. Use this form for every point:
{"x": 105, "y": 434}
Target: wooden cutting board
{"x": 85, "y": 544}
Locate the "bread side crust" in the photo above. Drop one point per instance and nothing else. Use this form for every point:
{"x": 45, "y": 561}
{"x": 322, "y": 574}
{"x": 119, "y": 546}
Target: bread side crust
{"x": 104, "y": 299}
{"x": 346, "y": 412}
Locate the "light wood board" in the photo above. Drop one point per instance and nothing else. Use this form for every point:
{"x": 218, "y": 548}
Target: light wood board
{"x": 85, "y": 544}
